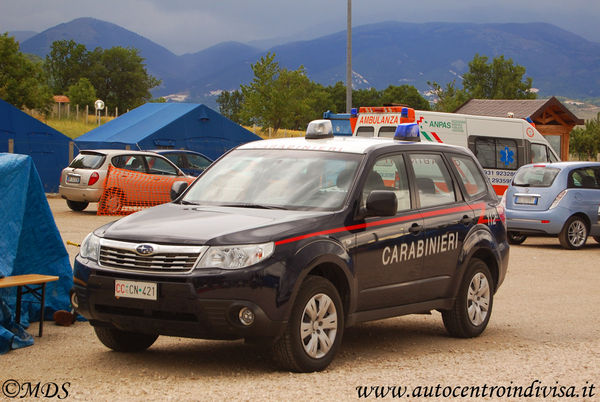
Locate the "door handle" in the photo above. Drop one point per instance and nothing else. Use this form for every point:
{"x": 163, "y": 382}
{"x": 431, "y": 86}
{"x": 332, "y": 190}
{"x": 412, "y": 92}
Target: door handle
{"x": 415, "y": 228}
{"x": 466, "y": 220}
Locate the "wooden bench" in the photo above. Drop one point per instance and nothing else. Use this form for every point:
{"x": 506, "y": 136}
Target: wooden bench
{"x": 29, "y": 282}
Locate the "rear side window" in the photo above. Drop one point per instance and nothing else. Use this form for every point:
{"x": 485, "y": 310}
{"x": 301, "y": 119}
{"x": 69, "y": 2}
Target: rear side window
{"x": 87, "y": 161}
{"x": 496, "y": 153}
{"x": 432, "y": 180}
{"x": 470, "y": 175}
{"x": 535, "y": 176}
{"x": 584, "y": 178}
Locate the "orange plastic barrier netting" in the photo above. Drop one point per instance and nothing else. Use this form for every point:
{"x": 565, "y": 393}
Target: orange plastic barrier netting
{"x": 127, "y": 191}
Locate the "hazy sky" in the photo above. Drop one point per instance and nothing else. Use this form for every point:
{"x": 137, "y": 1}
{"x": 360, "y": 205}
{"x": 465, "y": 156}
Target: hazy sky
{"x": 191, "y": 25}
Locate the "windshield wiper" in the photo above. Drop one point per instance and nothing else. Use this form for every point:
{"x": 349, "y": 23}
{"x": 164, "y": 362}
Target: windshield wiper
{"x": 185, "y": 202}
{"x": 522, "y": 184}
{"x": 247, "y": 205}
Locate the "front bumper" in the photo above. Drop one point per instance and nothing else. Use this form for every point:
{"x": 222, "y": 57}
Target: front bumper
{"x": 195, "y": 306}
{"x": 89, "y": 194}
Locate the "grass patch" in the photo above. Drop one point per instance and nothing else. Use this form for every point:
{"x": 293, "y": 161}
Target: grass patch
{"x": 74, "y": 128}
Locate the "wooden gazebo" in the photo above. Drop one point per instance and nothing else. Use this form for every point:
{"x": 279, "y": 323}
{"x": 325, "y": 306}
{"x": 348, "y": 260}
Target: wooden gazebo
{"x": 551, "y": 118}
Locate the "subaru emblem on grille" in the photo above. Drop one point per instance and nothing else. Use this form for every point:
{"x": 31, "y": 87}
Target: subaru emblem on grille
{"x": 144, "y": 249}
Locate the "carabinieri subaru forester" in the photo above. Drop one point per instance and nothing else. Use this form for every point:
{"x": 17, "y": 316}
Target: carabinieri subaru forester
{"x": 289, "y": 241}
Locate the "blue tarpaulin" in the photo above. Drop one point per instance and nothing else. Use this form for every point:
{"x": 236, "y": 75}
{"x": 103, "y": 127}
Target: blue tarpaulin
{"x": 169, "y": 126}
{"x": 30, "y": 243}
{"x": 48, "y": 148}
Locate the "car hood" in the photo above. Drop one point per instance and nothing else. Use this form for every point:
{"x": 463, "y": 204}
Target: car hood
{"x": 212, "y": 225}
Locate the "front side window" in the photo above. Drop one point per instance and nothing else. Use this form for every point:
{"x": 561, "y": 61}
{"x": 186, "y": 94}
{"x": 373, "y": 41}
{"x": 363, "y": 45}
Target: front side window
{"x": 470, "y": 175}
{"x": 279, "y": 179}
{"x": 539, "y": 153}
{"x": 496, "y": 153}
{"x": 389, "y": 173}
{"x": 432, "y": 180}
{"x": 197, "y": 161}
{"x": 157, "y": 165}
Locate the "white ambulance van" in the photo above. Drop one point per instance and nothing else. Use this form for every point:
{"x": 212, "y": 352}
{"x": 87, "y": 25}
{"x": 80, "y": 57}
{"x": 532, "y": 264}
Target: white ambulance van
{"x": 501, "y": 144}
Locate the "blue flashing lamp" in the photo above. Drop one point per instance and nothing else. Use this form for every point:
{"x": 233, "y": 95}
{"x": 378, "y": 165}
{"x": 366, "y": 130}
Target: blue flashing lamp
{"x": 529, "y": 120}
{"x": 404, "y": 112}
{"x": 353, "y": 112}
{"x": 408, "y": 132}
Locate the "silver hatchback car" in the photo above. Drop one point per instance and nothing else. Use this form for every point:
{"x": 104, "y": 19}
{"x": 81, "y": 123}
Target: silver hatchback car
{"x": 82, "y": 181}
{"x": 555, "y": 199}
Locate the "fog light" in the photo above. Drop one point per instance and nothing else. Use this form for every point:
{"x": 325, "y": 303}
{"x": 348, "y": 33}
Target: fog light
{"x": 246, "y": 316}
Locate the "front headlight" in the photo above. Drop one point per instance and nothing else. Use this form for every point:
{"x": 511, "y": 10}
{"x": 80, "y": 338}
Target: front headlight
{"x": 235, "y": 257}
{"x": 90, "y": 247}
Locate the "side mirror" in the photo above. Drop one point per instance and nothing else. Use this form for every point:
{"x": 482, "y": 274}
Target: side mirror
{"x": 382, "y": 203}
{"x": 177, "y": 189}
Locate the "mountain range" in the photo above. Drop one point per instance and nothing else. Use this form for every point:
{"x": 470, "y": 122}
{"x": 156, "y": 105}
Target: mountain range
{"x": 388, "y": 53}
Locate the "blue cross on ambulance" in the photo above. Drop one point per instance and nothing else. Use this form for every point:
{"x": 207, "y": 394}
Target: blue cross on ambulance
{"x": 289, "y": 241}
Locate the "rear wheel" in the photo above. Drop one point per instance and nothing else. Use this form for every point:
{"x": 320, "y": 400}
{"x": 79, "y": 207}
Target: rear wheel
{"x": 314, "y": 330}
{"x": 122, "y": 341}
{"x": 113, "y": 201}
{"x": 473, "y": 306}
{"x": 516, "y": 237}
{"x": 574, "y": 234}
{"x": 77, "y": 205}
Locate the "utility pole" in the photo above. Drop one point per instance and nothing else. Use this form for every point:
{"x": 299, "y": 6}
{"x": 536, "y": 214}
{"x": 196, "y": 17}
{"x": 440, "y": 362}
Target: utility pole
{"x": 349, "y": 59}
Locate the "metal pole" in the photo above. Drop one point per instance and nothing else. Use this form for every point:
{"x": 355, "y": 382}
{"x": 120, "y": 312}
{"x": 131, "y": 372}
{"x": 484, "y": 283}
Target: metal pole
{"x": 349, "y": 60}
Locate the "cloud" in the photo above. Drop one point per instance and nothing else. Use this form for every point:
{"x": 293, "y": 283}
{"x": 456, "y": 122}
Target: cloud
{"x": 192, "y": 25}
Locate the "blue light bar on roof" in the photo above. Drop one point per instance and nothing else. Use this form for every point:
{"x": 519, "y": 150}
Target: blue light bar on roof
{"x": 407, "y": 132}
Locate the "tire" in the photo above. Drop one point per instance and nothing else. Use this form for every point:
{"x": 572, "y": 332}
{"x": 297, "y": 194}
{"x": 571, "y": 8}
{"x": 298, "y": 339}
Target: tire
{"x": 122, "y": 341}
{"x": 516, "y": 237}
{"x": 309, "y": 341}
{"x": 574, "y": 234}
{"x": 473, "y": 306}
{"x": 113, "y": 202}
{"x": 77, "y": 205}
{"x": 597, "y": 238}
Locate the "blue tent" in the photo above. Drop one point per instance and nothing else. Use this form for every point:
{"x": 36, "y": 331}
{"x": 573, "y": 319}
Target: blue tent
{"x": 30, "y": 243}
{"x": 169, "y": 126}
{"x": 48, "y": 148}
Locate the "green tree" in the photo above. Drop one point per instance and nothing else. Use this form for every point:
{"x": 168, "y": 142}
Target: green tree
{"x": 500, "y": 79}
{"x": 67, "y": 62}
{"x": 22, "y": 82}
{"x": 366, "y": 97}
{"x": 82, "y": 93}
{"x": 585, "y": 142}
{"x": 337, "y": 94}
{"x": 450, "y": 98}
{"x": 230, "y": 105}
{"x": 120, "y": 77}
{"x": 404, "y": 95}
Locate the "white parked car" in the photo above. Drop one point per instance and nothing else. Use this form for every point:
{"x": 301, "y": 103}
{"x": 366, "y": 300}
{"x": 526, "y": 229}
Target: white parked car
{"x": 82, "y": 181}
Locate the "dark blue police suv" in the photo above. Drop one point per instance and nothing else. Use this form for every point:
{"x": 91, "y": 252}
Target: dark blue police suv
{"x": 290, "y": 241}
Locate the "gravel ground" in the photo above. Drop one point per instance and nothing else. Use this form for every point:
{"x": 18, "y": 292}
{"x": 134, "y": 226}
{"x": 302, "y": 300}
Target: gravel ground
{"x": 544, "y": 327}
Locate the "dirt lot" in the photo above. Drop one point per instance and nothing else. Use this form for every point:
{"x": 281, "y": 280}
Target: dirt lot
{"x": 544, "y": 327}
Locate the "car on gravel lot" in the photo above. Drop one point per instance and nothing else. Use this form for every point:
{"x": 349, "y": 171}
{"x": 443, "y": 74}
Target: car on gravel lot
{"x": 289, "y": 241}
{"x": 82, "y": 181}
{"x": 555, "y": 199}
{"x": 190, "y": 162}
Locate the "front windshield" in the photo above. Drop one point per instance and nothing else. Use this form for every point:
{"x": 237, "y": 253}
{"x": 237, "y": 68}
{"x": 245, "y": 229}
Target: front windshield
{"x": 277, "y": 178}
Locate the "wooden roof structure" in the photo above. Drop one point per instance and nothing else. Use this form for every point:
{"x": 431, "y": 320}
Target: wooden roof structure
{"x": 550, "y": 116}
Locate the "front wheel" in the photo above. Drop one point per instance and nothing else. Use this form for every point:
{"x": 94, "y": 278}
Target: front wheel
{"x": 473, "y": 306}
{"x": 122, "y": 341}
{"x": 574, "y": 234}
{"x": 314, "y": 330}
{"x": 515, "y": 237}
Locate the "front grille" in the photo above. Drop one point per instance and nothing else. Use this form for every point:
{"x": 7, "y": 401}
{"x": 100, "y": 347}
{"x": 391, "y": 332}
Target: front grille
{"x": 164, "y": 259}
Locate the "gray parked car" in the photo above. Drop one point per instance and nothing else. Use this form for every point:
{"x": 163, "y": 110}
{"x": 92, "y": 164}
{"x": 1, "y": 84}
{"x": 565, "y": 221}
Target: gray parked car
{"x": 82, "y": 181}
{"x": 555, "y": 199}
